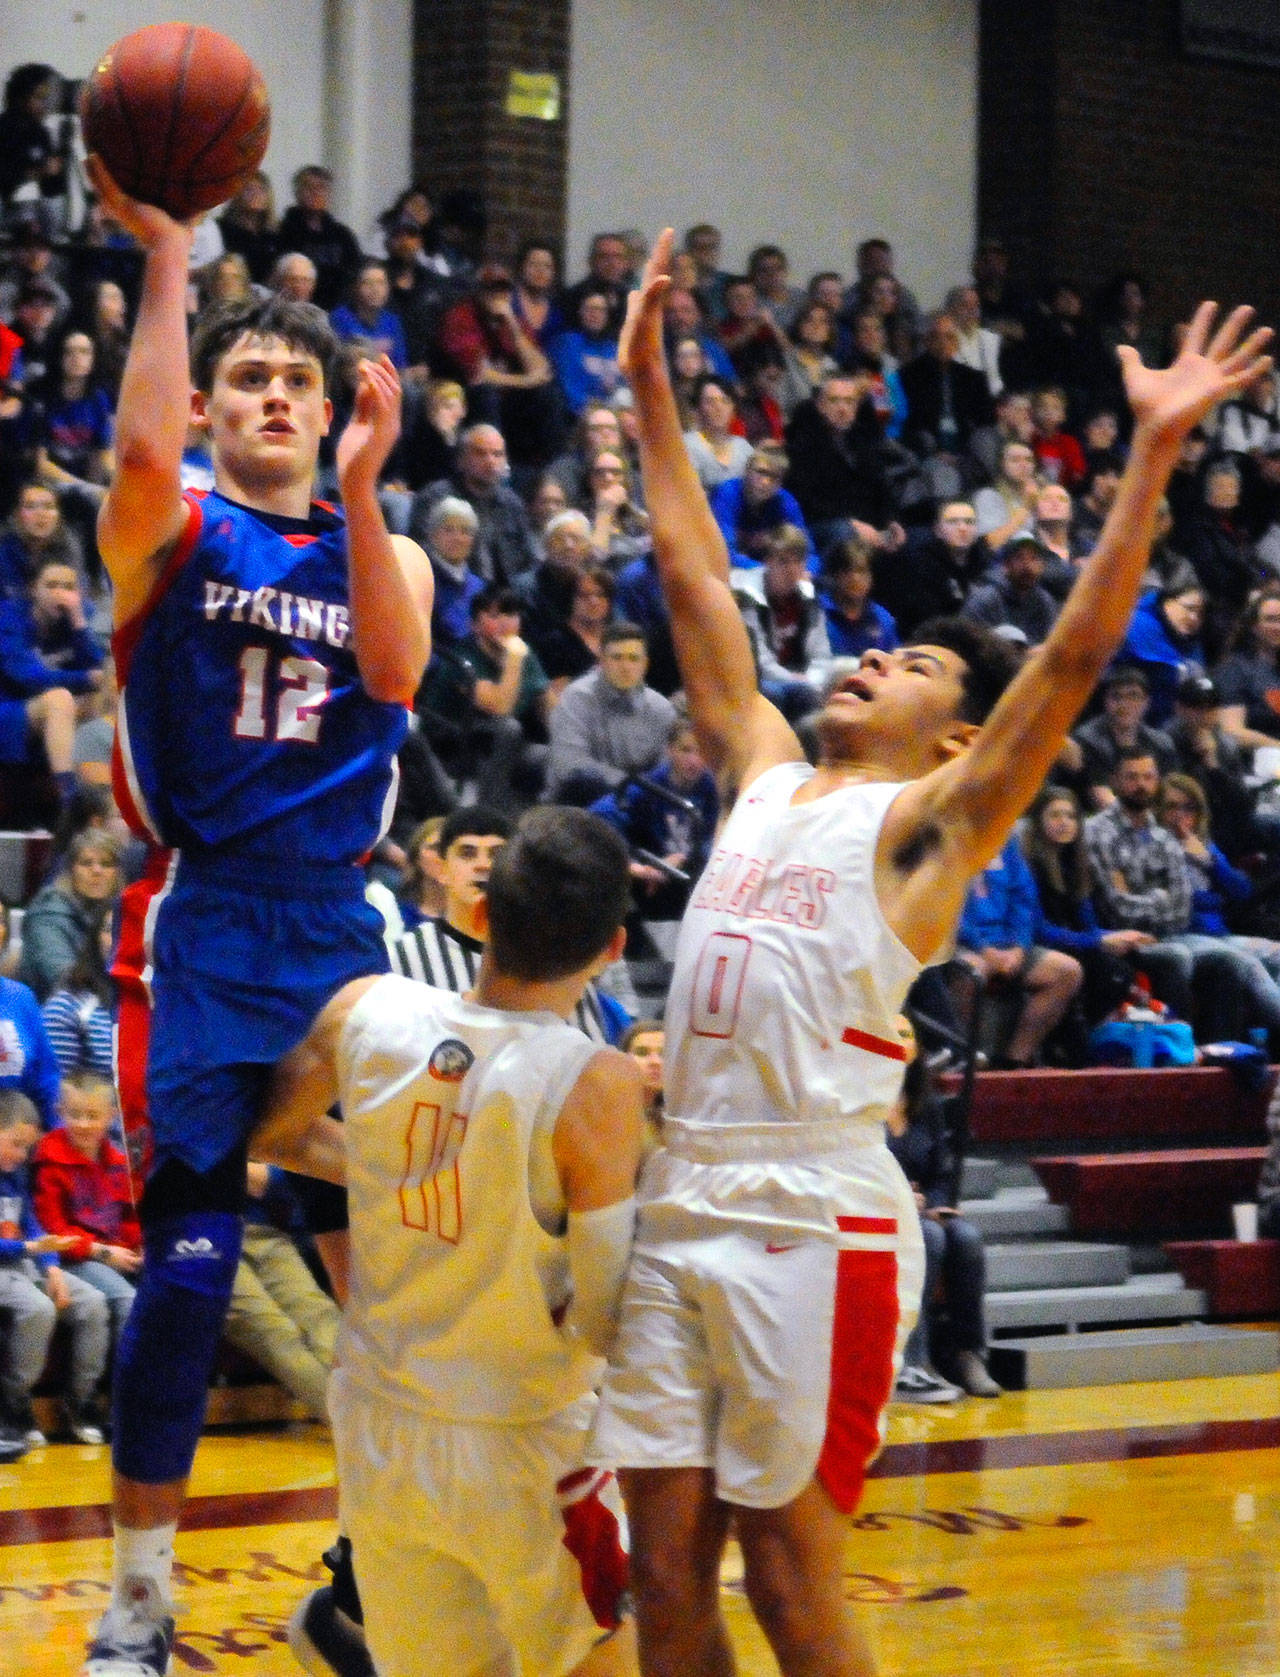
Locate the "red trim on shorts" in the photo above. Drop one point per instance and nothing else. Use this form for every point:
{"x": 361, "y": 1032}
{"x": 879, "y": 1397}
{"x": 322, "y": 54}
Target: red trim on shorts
{"x": 125, "y": 638}
{"x": 873, "y": 1044}
{"x": 590, "y": 1506}
{"x": 868, "y": 1225}
{"x": 862, "y": 1344}
{"x": 133, "y": 1012}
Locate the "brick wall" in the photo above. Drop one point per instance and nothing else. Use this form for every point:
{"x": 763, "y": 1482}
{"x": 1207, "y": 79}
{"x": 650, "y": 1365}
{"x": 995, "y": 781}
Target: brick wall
{"x": 1102, "y": 147}
{"x": 462, "y": 136}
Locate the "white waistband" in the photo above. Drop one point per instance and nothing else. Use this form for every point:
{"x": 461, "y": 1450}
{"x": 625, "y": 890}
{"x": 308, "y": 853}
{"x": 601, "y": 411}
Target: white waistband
{"x": 712, "y": 1143}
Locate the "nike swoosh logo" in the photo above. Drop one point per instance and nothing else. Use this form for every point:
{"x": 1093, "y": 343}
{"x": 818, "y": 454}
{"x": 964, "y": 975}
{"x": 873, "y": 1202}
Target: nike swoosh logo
{"x": 770, "y": 1247}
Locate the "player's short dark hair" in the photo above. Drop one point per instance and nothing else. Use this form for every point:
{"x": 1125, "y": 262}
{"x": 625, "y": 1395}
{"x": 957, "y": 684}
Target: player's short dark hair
{"x": 300, "y": 325}
{"x": 472, "y": 821}
{"x": 558, "y": 892}
{"x": 990, "y": 663}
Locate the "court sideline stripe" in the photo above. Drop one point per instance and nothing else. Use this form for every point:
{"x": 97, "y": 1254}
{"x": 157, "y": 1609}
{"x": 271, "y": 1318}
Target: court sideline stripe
{"x": 898, "y": 1461}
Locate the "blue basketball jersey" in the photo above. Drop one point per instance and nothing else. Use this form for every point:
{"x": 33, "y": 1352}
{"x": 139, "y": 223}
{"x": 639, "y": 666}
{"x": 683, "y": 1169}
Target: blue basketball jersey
{"x": 243, "y": 726}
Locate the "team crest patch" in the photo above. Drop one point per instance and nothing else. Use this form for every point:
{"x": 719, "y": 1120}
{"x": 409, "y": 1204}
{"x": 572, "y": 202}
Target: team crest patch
{"x": 450, "y": 1061}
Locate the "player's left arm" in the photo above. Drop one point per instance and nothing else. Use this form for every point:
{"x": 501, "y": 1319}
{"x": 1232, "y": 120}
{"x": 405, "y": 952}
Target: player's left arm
{"x": 597, "y": 1145}
{"x": 294, "y": 1130}
{"x": 943, "y": 829}
{"x": 391, "y": 586}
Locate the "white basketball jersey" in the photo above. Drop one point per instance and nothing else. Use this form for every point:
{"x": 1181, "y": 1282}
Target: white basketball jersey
{"x": 458, "y": 1262}
{"x": 787, "y": 977}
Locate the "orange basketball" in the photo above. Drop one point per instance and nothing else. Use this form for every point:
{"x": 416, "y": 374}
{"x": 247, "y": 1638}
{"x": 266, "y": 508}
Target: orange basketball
{"x": 179, "y": 114}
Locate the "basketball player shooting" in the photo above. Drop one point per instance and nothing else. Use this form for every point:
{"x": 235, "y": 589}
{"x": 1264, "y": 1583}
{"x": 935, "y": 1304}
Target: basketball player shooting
{"x": 777, "y": 1260}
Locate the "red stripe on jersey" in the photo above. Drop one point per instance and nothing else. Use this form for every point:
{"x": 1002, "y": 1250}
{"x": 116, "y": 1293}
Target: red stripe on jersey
{"x": 133, "y": 1010}
{"x": 868, "y": 1225}
{"x": 874, "y": 1044}
{"x": 862, "y": 1344}
{"x": 301, "y": 540}
{"x": 125, "y": 638}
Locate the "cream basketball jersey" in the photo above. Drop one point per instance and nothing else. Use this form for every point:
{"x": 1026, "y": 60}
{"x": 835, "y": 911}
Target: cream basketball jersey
{"x": 459, "y": 1269}
{"x": 787, "y": 977}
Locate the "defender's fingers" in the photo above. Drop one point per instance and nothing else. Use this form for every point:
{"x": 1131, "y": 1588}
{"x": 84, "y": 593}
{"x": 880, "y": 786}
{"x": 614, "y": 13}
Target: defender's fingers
{"x": 1199, "y": 328}
{"x": 1228, "y": 334}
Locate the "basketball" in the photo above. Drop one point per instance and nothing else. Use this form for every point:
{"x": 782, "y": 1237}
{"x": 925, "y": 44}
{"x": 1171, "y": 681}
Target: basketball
{"x": 179, "y": 114}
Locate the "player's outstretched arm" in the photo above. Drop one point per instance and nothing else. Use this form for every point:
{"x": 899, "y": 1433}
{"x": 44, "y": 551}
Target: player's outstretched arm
{"x": 597, "y": 1147}
{"x": 969, "y": 806}
{"x": 739, "y": 731}
{"x": 294, "y": 1130}
{"x": 142, "y": 514}
{"x": 390, "y": 581}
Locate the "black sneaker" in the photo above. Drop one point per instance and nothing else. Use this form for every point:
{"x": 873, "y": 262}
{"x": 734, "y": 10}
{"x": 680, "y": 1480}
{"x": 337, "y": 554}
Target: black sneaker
{"x": 135, "y": 1640}
{"x": 13, "y": 1443}
{"x": 325, "y": 1641}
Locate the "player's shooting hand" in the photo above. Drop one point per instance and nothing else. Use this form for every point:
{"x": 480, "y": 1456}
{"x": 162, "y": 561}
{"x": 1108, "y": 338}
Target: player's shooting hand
{"x": 640, "y": 348}
{"x": 1211, "y": 366}
{"x": 374, "y": 424}
{"x": 149, "y": 224}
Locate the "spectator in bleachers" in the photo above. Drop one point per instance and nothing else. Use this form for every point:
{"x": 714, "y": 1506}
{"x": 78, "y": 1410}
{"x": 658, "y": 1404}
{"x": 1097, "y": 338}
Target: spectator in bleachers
{"x": 69, "y": 421}
{"x": 1120, "y": 728}
{"x": 279, "y": 1315}
{"x": 35, "y": 1291}
{"x": 1163, "y": 641}
{"x": 716, "y": 446}
{"x": 366, "y": 318}
{"x": 1217, "y": 543}
{"x": 432, "y": 421}
{"x": 70, "y": 909}
{"x": 746, "y": 327}
{"x": 48, "y": 658}
{"x": 868, "y": 356}
{"x": 608, "y": 724}
{"x": 1052, "y": 524}
{"x": 644, "y": 1040}
{"x": 224, "y": 281}
{"x": 27, "y": 1060}
{"x": 508, "y": 380}
{"x": 536, "y": 298}
{"x": 787, "y": 624}
{"x": 608, "y": 272}
{"x": 946, "y": 401}
{"x": 979, "y": 345}
{"x": 1059, "y": 453}
{"x": 950, "y": 1336}
{"x": 106, "y": 320}
{"x": 504, "y": 548}
{"x": 308, "y": 228}
{"x": 295, "y": 276}
{"x": 1015, "y": 597}
{"x": 28, "y": 156}
{"x": 250, "y": 228}
{"x": 35, "y": 312}
{"x": 619, "y": 524}
{"x": 1248, "y": 678}
{"x": 837, "y": 466}
{"x": 769, "y": 272}
{"x": 81, "y": 1188}
{"x": 934, "y": 573}
{"x": 548, "y": 501}
{"x": 1249, "y": 425}
{"x": 449, "y": 533}
{"x": 1219, "y": 765}
{"x": 685, "y": 316}
{"x": 547, "y": 592}
{"x": 418, "y": 895}
{"x": 1064, "y": 347}
{"x": 702, "y": 243}
{"x": 678, "y": 829}
{"x": 1093, "y": 503}
{"x": 584, "y": 355}
{"x": 1008, "y": 505}
{"x": 809, "y": 353}
{"x": 1121, "y": 313}
{"x": 1007, "y": 309}
{"x": 639, "y": 600}
{"x": 996, "y": 939}
{"x": 1053, "y": 843}
{"x": 597, "y": 428}
{"x": 873, "y": 261}
{"x": 418, "y": 297}
{"x": 752, "y": 508}
{"x": 33, "y": 261}
{"x": 35, "y": 531}
{"x": 78, "y": 1013}
{"x": 573, "y": 647}
{"x": 855, "y": 622}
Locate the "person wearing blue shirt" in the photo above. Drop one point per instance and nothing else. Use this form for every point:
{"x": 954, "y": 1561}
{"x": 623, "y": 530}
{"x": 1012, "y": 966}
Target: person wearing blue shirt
{"x": 368, "y": 318}
{"x": 27, "y": 1060}
{"x": 1163, "y": 641}
{"x": 996, "y": 938}
{"x": 855, "y": 622}
{"x": 585, "y": 357}
{"x": 751, "y": 508}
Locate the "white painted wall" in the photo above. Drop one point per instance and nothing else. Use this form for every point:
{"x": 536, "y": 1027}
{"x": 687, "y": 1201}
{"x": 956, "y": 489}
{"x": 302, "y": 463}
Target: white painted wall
{"x": 808, "y": 123}
{"x": 367, "y": 145}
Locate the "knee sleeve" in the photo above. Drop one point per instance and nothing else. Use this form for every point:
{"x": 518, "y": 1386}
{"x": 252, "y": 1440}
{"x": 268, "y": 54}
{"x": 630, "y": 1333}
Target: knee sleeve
{"x": 170, "y": 1340}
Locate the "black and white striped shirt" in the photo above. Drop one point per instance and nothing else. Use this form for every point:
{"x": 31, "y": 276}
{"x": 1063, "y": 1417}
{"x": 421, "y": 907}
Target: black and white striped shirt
{"x": 435, "y": 952}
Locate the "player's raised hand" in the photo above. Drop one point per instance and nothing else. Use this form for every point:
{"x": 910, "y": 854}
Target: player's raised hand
{"x": 1211, "y": 366}
{"x": 640, "y": 348}
{"x": 149, "y": 225}
{"x": 374, "y": 425}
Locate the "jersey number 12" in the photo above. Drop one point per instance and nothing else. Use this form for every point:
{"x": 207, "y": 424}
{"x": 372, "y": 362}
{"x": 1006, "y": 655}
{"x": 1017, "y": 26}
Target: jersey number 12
{"x": 300, "y": 686}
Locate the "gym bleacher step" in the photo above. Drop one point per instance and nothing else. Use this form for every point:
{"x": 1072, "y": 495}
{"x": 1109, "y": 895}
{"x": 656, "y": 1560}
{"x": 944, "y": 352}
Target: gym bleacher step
{"x": 1118, "y": 1355}
{"x": 979, "y": 1178}
{"x": 1021, "y": 1212}
{"x": 1055, "y": 1263}
{"x": 1142, "y": 1298}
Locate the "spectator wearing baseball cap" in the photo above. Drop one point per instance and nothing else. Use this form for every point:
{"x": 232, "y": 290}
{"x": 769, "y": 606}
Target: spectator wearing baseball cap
{"x": 1119, "y": 730}
{"x": 1015, "y": 596}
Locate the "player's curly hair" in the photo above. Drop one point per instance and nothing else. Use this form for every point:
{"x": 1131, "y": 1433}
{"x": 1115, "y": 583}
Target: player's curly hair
{"x": 990, "y": 662}
{"x": 301, "y": 326}
{"x": 558, "y": 891}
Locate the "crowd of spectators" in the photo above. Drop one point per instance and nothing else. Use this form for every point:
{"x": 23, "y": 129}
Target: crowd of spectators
{"x": 871, "y": 462}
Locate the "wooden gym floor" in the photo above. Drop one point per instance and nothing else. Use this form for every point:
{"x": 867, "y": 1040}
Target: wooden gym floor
{"x": 1129, "y": 1530}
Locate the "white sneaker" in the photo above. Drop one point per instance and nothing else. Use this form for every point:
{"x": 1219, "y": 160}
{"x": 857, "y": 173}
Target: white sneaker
{"x": 922, "y": 1385}
{"x": 134, "y": 1640}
